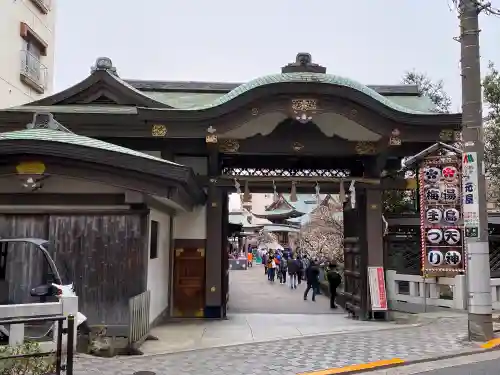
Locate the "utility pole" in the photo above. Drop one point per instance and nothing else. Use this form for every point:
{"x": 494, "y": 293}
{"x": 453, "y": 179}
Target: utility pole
{"x": 475, "y": 208}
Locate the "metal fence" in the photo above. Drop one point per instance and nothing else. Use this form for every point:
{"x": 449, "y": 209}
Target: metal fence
{"x": 139, "y": 307}
{"x": 19, "y": 356}
{"x": 33, "y": 69}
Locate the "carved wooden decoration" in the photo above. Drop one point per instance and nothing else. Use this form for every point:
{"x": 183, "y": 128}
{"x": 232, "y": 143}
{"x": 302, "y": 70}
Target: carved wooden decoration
{"x": 395, "y": 140}
{"x": 211, "y": 138}
{"x": 366, "y": 148}
{"x": 229, "y": 145}
{"x": 303, "y": 109}
{"x": 159, "y": 130}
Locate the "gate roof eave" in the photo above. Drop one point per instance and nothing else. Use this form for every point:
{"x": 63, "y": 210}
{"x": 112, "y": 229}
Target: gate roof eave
{"x": 99, "y": 158}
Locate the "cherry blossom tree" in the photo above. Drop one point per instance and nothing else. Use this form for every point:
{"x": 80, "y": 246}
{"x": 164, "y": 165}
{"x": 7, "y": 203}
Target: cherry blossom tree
{"x": 322, "y": 237}
{"x": 266, "y": 239}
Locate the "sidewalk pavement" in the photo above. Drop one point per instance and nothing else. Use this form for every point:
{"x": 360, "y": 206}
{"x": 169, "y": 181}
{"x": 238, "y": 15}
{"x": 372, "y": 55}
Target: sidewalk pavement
{"x": 439, "y": 337}
{"x": 253, "y": 328}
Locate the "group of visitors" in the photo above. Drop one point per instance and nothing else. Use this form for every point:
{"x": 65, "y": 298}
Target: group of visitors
{"x": 279, "y": 264}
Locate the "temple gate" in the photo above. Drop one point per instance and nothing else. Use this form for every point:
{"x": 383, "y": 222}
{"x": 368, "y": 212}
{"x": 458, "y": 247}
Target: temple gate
{"x": 300, "y": 127}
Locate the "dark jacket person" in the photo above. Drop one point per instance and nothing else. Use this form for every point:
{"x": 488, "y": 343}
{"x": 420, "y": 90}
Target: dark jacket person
{"x": 312, "y": 278}
{"x": 334, "y": 281}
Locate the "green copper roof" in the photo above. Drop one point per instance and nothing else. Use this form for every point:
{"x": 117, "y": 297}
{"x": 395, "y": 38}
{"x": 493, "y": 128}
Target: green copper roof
{"x": 46, "y": 135}
{"x": 327, "y": 79}
{"x": 187, "y": 100}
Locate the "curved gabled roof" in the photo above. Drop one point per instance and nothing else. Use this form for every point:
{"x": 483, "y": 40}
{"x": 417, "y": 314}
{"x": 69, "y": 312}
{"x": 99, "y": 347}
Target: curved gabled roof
{"x": 103, "y": 83}
{"x": 327, "y": 79}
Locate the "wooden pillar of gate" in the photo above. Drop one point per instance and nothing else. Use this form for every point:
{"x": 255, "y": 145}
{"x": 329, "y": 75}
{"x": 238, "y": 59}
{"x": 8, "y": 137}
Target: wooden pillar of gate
{"x": 225, "y": 255}
{"x": 214, "y": 233}
{"x": 374, "y": 223}
{"x": 354, "y": 298}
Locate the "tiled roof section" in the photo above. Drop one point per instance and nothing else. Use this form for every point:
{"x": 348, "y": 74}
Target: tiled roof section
{"x": 225, "y": 87}
{"x": 45, "y": 135}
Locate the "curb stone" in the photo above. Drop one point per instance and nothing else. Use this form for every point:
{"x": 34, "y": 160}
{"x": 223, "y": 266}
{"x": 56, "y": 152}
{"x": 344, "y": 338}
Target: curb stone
{"x": 291, "y": 338}
{"x": 407, "y": 362}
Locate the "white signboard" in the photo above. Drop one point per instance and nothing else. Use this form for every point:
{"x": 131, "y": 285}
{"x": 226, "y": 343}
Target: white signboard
{"x": 470, "y": 196}
{"x": 378, "y": 295}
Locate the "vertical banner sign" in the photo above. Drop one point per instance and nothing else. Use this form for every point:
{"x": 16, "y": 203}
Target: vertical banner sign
{"x": 440, "y": 214}
{"x": 378, "y": 294}
{"x": 470, "y": 173}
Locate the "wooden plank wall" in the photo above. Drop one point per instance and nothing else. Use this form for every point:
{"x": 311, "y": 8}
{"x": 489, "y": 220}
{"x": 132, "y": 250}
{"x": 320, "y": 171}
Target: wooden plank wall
{"x": 104, "y": 255}
{"x": 26, "y": 266}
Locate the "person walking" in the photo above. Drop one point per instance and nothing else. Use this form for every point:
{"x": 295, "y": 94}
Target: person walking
{"x": 283, "y": 269}
{"x": 312, "y": 279}
{"x": 293, "y": 271}
{"x": 334, "y": 281}
{"x": 300, "y": 263}
{"x": 250, "y": 259}
{"x": 264, "y": 262}
{"x": 272, "y": 269}
{"x": 270, "y": 262}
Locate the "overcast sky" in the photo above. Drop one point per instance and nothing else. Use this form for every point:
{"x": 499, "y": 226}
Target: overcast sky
{"x": 372, "y": 41}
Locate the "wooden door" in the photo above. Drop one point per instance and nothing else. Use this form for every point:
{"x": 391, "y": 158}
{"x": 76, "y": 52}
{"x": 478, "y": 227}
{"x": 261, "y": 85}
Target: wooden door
{"x": 189, "y": 282}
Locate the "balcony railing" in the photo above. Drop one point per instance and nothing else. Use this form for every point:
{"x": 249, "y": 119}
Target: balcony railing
{"x": 44, "y": 5}
{"x": 33, "y": 72}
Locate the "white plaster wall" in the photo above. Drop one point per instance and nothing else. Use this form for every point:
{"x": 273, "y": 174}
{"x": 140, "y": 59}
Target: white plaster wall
{"x": 12, "y": 184}
{"x": 12, "y": 13}
{"x": 158, "y": 269}
{"x": 191, "y": 225}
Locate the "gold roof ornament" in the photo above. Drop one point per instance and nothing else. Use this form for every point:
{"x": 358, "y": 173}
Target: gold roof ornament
{"x": 394, "y": 139}
{"x": 303, "y": 109}
{"x": 229, "y": 145}
{"x": 158, "y": 130}
{"x": 211, "y": 137}
{"x": 366, "y": 148}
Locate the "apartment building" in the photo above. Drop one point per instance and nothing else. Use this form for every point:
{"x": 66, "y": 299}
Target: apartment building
{"x": 27, "y": 50}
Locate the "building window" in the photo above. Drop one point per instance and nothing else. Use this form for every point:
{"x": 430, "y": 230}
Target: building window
{"x": 43, "y": 6}
{"x": 153, "y": 240}
{"x": 33, "y": 72}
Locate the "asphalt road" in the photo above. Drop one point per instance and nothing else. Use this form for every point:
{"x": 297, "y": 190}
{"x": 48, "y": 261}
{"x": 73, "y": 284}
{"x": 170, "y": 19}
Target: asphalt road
{"x": 486, "y": 363}
{"x": 491, "y": 367}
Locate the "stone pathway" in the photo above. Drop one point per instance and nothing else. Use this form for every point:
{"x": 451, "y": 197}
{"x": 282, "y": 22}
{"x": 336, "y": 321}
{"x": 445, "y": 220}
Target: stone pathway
{"x": 251, "y": 292}
{"x": 292, "y": 356}
{"x": 258, "y": 311}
